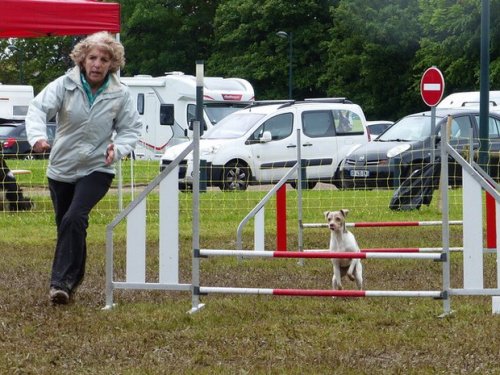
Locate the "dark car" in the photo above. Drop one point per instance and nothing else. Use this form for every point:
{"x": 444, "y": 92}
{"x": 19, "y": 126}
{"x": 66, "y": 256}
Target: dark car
{"x": 14, "y": 142}
{"x": 407, "y": 146}
{"x": 375, "y": 128}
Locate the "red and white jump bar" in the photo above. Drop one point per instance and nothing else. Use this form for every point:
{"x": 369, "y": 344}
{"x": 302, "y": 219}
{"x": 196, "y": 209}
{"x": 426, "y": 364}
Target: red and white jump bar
{"x": 371, "y": 224}
{"x": 321, "y": 254}
{"x": 321, "y": 292}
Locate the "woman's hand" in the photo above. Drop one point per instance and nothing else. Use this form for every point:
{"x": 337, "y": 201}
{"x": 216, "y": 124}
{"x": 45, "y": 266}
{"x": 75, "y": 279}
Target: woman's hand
{"x": 41, "y": 146}
{"x": 110, "y": 154}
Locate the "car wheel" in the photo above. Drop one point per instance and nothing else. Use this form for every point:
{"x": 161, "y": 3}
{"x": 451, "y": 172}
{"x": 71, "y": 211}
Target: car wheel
{"x": 235, "y": 176}
{"x": 310, "y": 184}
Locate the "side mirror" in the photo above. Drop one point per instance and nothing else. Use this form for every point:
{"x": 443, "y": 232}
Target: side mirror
{"x": 266, "y": 137}
{"x": 167, "y": 114}
{"x": 191, "y": 125}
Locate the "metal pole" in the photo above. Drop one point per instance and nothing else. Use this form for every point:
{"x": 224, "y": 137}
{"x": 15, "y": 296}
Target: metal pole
{"x": 195, "y": 269}
{"x": 290, "y": 70}
{"x": 199, "y": 94}
{"x": 445, "y": 215}
{"x": 484, "y": 83}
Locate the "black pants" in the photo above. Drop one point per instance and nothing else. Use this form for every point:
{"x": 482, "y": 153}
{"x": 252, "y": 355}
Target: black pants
{"x": 72, "y": 205}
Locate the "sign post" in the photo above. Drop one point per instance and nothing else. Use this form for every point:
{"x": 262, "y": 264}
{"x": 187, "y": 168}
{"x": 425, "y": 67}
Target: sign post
{"x": 431, "y": 90}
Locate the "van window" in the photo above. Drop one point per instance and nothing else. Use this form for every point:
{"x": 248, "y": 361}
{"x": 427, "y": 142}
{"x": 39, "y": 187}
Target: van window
{"x": 318, "y": 124}
{"x": 140, "y": 104}
{"x": 347, "y": 122}
{"x": 280, "y": 126}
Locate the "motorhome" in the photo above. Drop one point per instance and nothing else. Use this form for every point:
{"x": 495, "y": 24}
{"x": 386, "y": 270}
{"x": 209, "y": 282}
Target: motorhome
{"x": 14, "y": 101}
{"x": 154, "y": 96}
{"x": 469, "y": 99}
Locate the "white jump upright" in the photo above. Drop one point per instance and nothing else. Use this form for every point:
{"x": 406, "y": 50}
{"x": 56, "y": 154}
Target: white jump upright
{"x": 136, "y": 252}
{"x": 472, "y": 233}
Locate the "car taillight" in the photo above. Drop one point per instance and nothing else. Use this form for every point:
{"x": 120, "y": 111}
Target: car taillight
{"x": 9, "y": 142}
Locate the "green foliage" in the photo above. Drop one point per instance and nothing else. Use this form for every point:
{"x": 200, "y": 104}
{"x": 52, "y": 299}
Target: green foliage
{"x": 373, "y": 52}
{"x": 246, "y": 44}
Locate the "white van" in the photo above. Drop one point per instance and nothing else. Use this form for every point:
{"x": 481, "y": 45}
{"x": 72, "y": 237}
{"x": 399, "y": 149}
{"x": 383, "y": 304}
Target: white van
{"x": 14, "y": 101}
{"x": 469, "y": 99}
{"x": 156, "y": 97}
{"x": 258, "y": 145}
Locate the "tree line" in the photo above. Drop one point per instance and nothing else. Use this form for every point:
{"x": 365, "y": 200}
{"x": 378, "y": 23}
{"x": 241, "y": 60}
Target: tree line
{"x": 371, "y": 52}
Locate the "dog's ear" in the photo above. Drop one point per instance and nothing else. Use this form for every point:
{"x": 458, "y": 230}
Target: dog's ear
{"x": 326, "y": 214}
{"x": 344, "y": 212}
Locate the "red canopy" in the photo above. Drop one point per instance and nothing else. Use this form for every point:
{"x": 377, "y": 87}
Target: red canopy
{"x": 38, "y": 18}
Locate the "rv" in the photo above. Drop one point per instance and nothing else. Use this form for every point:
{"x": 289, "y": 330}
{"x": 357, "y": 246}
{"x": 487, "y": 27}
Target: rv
{"x": 167, "y": 106}
{"x": 14, "y": 101}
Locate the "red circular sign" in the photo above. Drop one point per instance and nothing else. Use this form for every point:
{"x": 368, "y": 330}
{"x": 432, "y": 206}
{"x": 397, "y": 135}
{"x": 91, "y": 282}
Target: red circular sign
{"x": 432, "y": 86}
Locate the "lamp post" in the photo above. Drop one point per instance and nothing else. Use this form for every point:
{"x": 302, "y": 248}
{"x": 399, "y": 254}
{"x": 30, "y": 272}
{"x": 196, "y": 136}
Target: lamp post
{"x": 20, "y": 53}
{"x": 285, "y": 35}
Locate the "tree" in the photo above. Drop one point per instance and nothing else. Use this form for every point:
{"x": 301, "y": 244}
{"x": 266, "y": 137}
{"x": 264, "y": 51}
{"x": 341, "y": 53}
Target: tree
{"x": 161, "y": 36}
{"x": 43, "y": 60}
{"x": 370, "y": 55}
{"x": 451, "y": 41}
{"x": 246, "y": 45}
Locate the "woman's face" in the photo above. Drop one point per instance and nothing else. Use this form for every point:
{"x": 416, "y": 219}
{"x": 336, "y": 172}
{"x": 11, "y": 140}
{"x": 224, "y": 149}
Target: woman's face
{"x": 96, "y": 65}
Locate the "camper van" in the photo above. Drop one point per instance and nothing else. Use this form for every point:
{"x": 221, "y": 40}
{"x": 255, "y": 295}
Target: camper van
{"x": 167, "y": 106}
{"x": 469, "y": 99}
{"x": 14, "y": 101}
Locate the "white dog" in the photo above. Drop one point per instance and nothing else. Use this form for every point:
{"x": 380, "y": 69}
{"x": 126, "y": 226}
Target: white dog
{"x": 341, "y": 240}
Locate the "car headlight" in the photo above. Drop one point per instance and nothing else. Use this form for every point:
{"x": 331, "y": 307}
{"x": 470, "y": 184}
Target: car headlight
{"x": 395, "y": 151}
{"x": 354, "y": 148}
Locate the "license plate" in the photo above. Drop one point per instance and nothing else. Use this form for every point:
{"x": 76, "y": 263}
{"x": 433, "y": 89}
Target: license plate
{"x": 359, "y": 173}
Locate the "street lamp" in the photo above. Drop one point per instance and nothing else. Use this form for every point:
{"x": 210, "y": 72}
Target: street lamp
{"x": 285, "y": 35}
{"x": 20, "y": 60}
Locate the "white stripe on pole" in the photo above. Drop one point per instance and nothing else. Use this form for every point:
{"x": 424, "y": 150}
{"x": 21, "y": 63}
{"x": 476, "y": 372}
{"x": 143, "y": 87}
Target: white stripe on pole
{"x": 403, "y": 293}
{"x": 228, "y": 290}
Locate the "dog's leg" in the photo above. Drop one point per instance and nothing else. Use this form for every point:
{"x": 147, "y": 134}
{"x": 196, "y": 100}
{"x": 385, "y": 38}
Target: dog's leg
{"x": 336, "y": 279}
{"x": 352, "y": 267}
{"x": 358, "y": 275}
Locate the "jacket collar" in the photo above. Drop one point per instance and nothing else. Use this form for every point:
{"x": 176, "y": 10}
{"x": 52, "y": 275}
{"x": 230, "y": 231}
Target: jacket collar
{"x": 73, "y": 81}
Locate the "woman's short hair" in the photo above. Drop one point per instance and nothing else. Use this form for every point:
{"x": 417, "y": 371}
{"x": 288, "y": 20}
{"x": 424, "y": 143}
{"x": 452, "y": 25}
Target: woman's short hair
{"x": 102, "y": 40}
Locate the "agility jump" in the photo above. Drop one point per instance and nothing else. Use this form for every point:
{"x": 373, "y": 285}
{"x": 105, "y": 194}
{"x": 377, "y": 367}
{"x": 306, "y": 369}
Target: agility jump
{"x": 473, "y": 283}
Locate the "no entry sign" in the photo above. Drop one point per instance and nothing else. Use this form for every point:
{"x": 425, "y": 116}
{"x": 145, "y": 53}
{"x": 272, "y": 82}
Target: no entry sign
{"x": 432, "y": 86}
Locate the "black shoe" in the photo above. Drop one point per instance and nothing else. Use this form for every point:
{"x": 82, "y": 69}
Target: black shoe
{"x": 58, "y": 296}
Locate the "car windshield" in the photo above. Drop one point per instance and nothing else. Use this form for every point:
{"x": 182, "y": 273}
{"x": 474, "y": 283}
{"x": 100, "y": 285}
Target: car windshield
{"x": 413, "y": 128}
{"x": 217, "y": 111}
{"x": 5, "y": 130}
{"x": 233, "y": 126}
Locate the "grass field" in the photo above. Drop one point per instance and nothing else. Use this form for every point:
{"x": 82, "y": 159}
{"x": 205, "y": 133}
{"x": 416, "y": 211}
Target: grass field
{"x": 151, "y": 332}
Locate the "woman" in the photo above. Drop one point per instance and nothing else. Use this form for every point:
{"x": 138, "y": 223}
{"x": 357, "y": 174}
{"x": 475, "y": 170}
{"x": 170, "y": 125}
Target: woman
{"x": 97, "y": 125}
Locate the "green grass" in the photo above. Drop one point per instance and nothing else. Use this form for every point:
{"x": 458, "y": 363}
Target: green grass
{"x": 151, "y": 332}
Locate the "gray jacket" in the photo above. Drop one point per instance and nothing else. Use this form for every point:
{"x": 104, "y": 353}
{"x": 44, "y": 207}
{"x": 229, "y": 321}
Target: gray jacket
{"x": 83, "y": 132}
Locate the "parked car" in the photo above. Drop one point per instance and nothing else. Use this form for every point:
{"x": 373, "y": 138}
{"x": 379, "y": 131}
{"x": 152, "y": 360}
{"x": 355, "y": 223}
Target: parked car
{"x": 259, "y": 144}
{"x": 407, "y": 146}
{"x": 375, "y": 128}
{"x": 14, "y": 142}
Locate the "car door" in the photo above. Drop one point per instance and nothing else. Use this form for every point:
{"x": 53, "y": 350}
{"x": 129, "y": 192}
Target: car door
{"x": 319, "y": 144}
{"x": 272, "y": 159}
